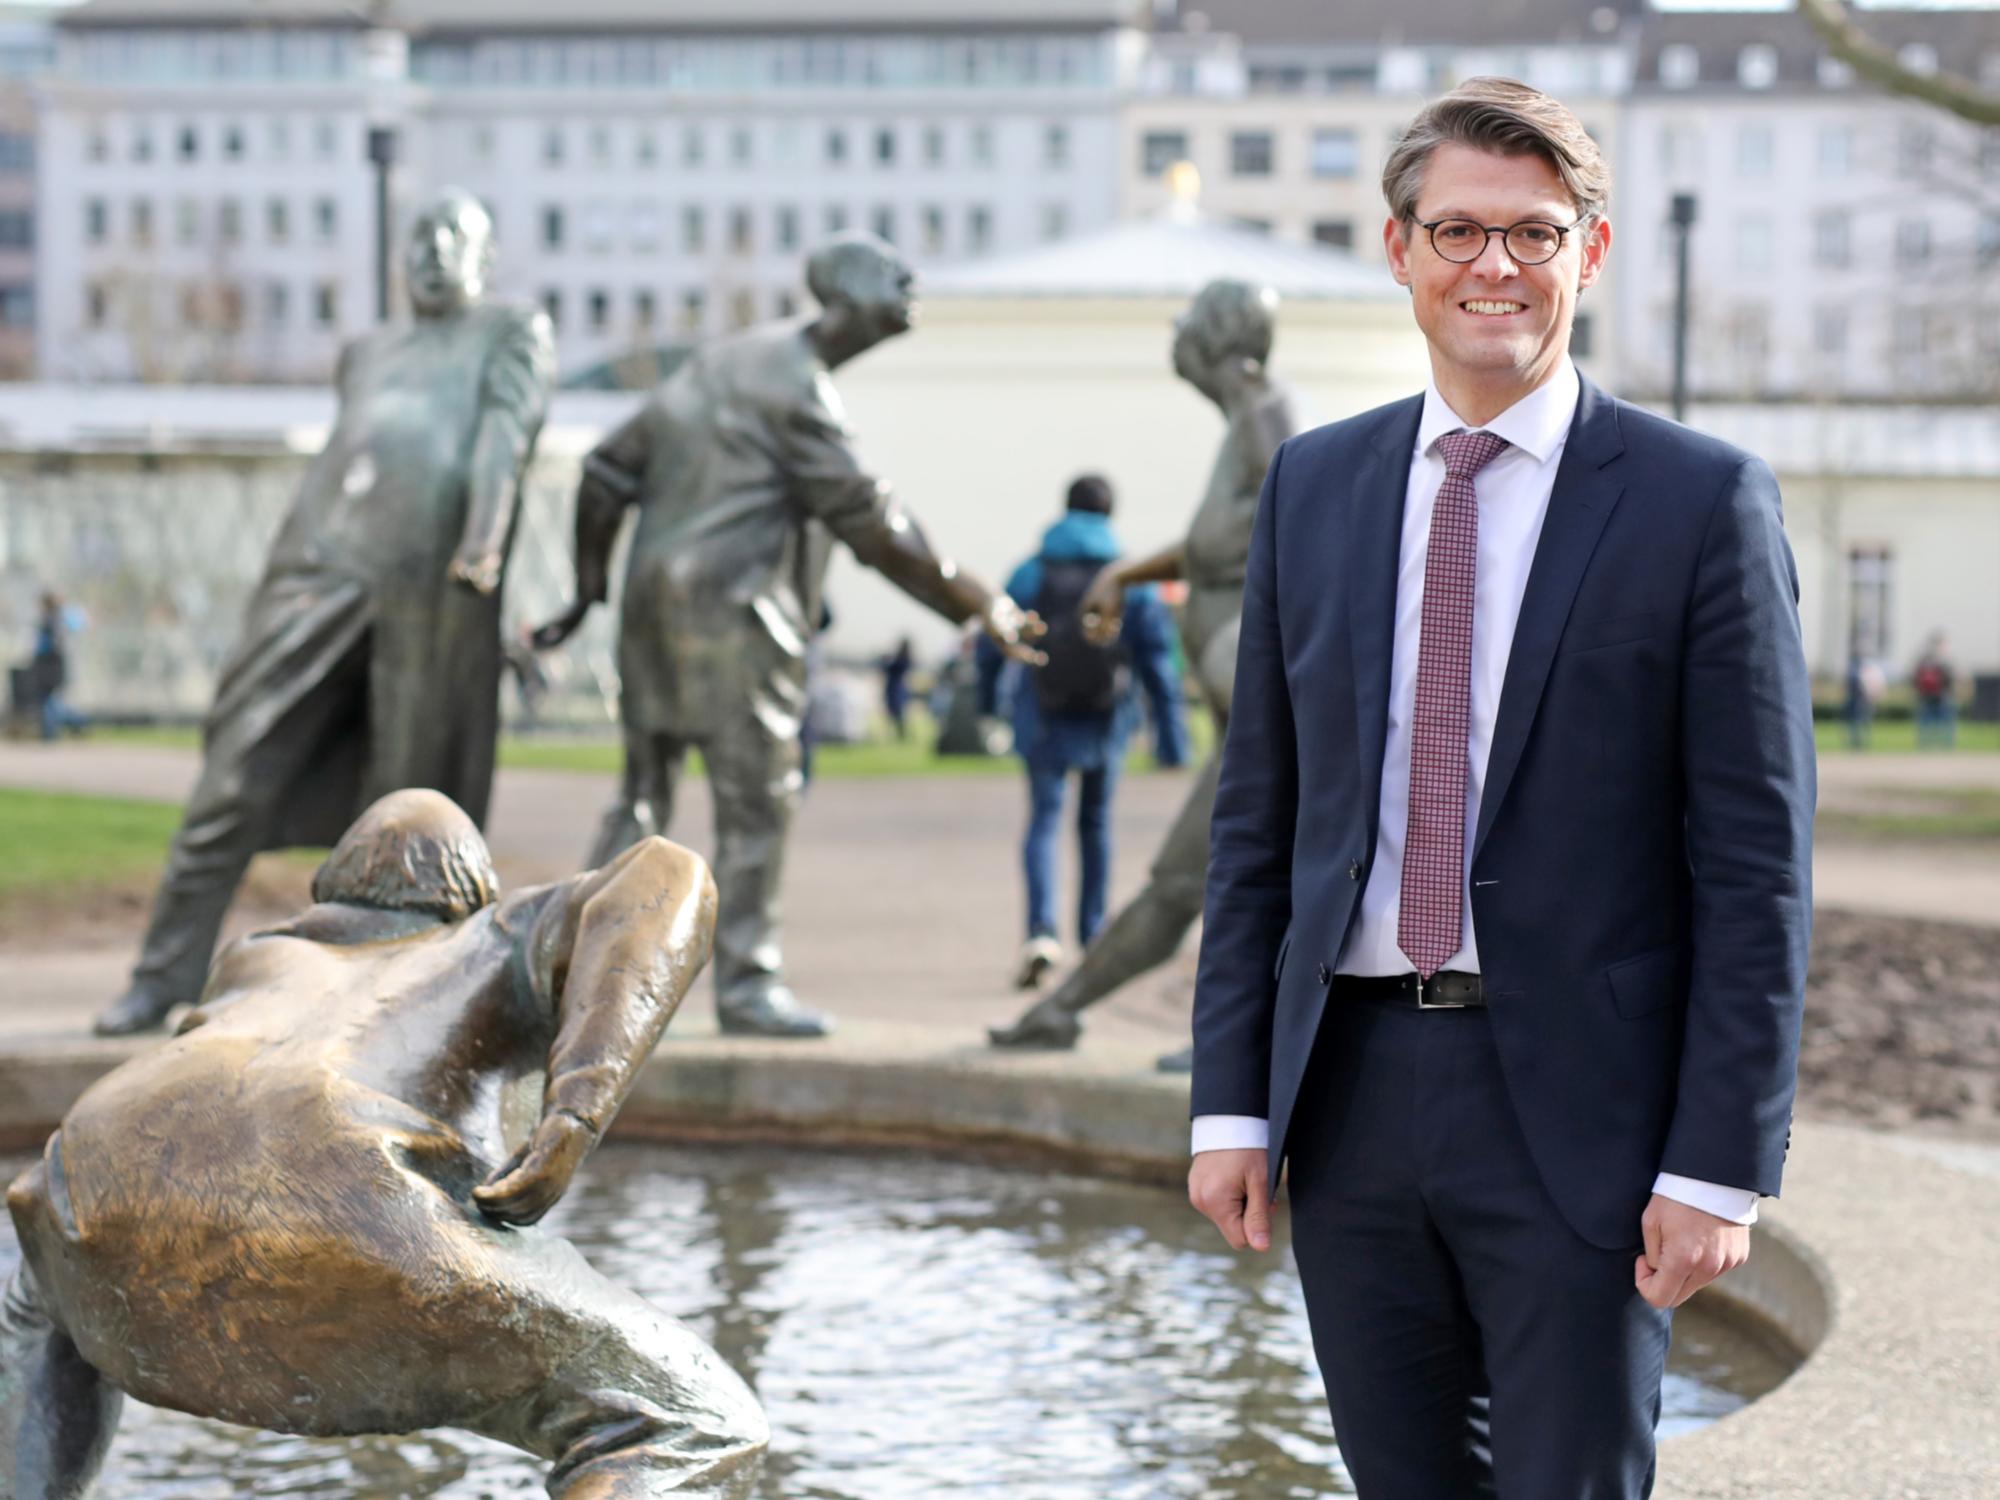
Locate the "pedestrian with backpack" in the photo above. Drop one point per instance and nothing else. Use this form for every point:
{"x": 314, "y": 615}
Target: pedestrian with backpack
{"x": 1076, "y": 712}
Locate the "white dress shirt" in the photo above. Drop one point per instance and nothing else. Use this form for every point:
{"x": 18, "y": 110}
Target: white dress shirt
{"x": 1513, "y": 492}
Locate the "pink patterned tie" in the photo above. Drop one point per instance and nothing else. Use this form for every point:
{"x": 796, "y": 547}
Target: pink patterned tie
{"x": 1431, "y": 922}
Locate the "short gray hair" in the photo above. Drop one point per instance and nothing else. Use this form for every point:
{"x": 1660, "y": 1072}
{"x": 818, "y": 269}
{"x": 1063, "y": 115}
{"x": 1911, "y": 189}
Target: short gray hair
{"x": 1230, "y": 317}
{"x": 412, "y": 850}
{"x": 831, "y": 268}
{"x": 1508, "y": 119}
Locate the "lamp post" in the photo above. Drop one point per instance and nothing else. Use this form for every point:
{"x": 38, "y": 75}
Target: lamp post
{"x": 382, "y": 153}
{"x": 1682, "y": 217}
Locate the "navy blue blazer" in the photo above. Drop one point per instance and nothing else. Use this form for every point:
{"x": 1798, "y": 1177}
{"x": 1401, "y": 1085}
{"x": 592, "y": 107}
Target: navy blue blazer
{"x": 1641, "y": 867}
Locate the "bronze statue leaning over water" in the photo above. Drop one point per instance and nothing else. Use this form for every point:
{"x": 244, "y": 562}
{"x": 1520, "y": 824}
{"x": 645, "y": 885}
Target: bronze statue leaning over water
{"x": 312, "y": 1210}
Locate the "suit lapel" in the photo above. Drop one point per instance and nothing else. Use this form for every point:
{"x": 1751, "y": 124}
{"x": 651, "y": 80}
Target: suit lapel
{"x": 1585, "y": 493}
{"x": 1374, "y": 552}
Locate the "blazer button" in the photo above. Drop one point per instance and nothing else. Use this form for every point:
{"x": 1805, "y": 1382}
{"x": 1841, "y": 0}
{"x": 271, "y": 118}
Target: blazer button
{"x": 1354, "y": 869}
{"x": 1325, "y": 975}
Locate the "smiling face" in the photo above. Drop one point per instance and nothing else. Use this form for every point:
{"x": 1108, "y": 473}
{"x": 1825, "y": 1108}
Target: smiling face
{"x": 1497, "y": 328}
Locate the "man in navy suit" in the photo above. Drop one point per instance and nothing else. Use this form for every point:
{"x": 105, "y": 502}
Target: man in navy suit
{"x": 1509, "y": 890}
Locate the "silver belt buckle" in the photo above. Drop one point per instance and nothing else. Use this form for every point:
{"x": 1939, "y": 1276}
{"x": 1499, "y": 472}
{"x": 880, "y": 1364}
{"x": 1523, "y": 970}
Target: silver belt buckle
{"x": 1424, "y": 1001}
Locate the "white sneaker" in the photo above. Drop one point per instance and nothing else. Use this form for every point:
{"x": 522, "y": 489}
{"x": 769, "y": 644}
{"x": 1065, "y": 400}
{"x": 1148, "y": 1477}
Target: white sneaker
{"x": 1038, "y": 956}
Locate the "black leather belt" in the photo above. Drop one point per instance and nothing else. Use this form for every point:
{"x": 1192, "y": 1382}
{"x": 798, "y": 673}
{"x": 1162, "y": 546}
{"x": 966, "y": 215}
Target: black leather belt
{"x": 1444, "y": 990}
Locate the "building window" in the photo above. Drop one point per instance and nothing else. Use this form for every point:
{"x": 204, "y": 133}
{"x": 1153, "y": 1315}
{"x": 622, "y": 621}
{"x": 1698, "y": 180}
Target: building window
{"x": 1870, "y": 577}
{"x": 645, "y": 310}
{"x": 96, "y": 305}
{"x": 1832, "y": 231}
{"x": 229, "y": 221}
{"x": 552, "y": 308}
{"x": 552, "y": 146}
{"x": 933, "y": 230}
{"x": 740, "y": 144}
{"x": 1055, "y": 220}
{"x": 187, "y": 222}
{"x": 326, "y": 304}
{"x": 1832, "y": 72}
{"x": 599, "y": 305}
{"x": 1753, "y": 151}
{"x": 1055, "y": 146}
{"x": 982, "y": 145}
{"x": 277, "y": 304}
{"x": 189, "y": 143}
{"x": 978, "y": 228}
{"x": 1335, "y": 234}
{"x": 835, "y": 218}
{"x": 1914, "y": 146}
{"x": 96, "y": 220}
{"x": 1830, "y": 328}
{"x": 1581, "y": 332}
{"x": 645, "y": 227}
{"x": 142, "y": 144}
{"x": 1680, "y": 66}
{"x": 1251, "y": 225}
{"x": 326, "y": 140}
{"x": 742, "y": 308}
{"x": 1336, "y": 153}
{"x": 1989, "y": 239}
{"x": 836, "y": 147}
{"x": 694, "y": 304}
{"x": 646, "y": 148}
{"x": 277, "y": 221}
{"x": 229, "y": 307}
{"x": 326, "y": 220}
{"x": 740, "y": 235}
{"x": 232, "y": 143}
{"x": 1251, "y": 153}
{"x": 17, "y": 228}
{"x": 552, "y": 227}
{"x": 1750, "y": 336}
{"x": 1160, "y": 149}
{"x": 483, "y": 143}
{"x": 96, "y": 147}
{"x": 1757, "y": 66}
{"x": 278, "y": 139}
{"x": 1836, "y": 150}
{"x": 142, "y": 221}
{"x": 1910, "y": 331}
{"x": 1753, "y": 243}
{"x": 784, "y": 304}
{"x": 788, "y": 228}
{"x": 694, "y": 229}
{"x": 885, "y": 147}
{"x": 885, "y": 224}
{"x": 1918, "y": 57}
{"x": 1913, "y": 242}
{"x": 17, "y": 306}
{"x": 694, "y": 146}
{"x": 599, "y": 227}
{"x": 1680, "y": 150}
{"x": 933, "y": 145}
{"x": 600, "y": 145}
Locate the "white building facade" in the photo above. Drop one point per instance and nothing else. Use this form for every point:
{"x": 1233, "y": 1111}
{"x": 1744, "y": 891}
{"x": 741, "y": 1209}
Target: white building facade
{"x": 653, "y": 173}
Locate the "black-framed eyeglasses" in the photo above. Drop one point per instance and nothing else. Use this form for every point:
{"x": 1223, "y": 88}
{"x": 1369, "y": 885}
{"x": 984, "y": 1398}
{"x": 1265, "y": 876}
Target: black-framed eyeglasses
{"x": 1528, "y": 243}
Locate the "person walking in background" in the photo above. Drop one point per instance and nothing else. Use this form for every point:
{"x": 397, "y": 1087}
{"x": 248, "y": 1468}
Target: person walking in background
{"x": 1510, "y": 890}
{"x": 1076, "y": 712}
{"x": 896, "y": 686}
{"x": 1863, "y": 692}
{"x": 49, "y": 668}
{"x": 1937, "y": 708}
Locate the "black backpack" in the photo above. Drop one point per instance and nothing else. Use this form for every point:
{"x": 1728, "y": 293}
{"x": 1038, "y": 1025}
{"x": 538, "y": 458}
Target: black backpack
{"x": 1080, "y": 677}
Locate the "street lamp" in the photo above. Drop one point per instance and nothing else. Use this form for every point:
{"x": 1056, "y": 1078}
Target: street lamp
{"x": 382, "y": 153}
{"x": 1682, "y": 217}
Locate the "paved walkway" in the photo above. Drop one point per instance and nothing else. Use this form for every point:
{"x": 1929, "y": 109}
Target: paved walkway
{"x": 903, "y": 895}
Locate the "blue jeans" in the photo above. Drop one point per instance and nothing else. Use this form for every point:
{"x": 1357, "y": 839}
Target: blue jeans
{"x": 1046, "y": 787}
{"x": 1937, "y": 722}
{"x": 58, "y": 717}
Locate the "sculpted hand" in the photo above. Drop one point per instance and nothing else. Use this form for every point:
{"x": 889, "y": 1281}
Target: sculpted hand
{"x": 1686, "y": 1249}
{"x": 1014, "y": 629}
{"x": 477, "y": 568}
{"x": 547, "y": 637}
{"x": 1102, "y": 607}
{"x": 1232, "y": 1190}
{"x": 539, "y": 1173}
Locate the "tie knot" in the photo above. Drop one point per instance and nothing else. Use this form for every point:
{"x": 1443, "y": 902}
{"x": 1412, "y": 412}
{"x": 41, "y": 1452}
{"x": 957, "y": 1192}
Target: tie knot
{"x": 1466, "y": 453}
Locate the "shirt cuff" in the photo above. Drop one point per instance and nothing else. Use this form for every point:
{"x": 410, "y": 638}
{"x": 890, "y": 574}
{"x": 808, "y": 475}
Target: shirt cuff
{"x": 1737, "y": 1205}
{"x": 1230, "y": 1133}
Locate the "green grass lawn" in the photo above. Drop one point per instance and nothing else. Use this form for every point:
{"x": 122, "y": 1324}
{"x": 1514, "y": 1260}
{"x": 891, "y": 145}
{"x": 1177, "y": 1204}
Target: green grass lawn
{"x": 1901, "y": 736}
{"x": 1946, "y": 814}
{"x": 56, "y": 841}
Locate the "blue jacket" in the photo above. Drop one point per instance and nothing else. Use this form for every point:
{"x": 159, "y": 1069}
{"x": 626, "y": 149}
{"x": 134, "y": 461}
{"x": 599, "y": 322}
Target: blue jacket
{"x": 1086, "y": 742}
{"x": 1641, "y": 870}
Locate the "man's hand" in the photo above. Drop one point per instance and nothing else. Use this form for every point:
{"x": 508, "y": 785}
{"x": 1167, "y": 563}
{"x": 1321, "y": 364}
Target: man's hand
{"x": 1013, "y": 629}
{"x": 1102, "y": 608}
{"x": 477, "y": 568}
{"x": 548, "y": 636}
{"x": 1231, "y": 1188}
{"x": 539, "y": 1173}
{"x": 1686, "y": 1249}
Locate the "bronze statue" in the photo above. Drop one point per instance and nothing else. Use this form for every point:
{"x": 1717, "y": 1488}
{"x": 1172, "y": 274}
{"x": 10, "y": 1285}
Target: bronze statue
{"x": 371, "y": 655}
{"x": 309, "y": 1211}
{"x": 743, "y": 471}
{"x": 1222, "y": 345}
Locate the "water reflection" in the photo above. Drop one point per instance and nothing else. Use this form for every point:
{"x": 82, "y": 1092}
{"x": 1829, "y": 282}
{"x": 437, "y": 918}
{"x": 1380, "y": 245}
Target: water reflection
{"x": 919, "y": 1328}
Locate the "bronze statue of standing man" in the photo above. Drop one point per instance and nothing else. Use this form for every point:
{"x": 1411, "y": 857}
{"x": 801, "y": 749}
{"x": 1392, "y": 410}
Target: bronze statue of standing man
{"x": 371, "y": 655}
{"x": 1222, "y": 346}
{"x": 742, "y": 468}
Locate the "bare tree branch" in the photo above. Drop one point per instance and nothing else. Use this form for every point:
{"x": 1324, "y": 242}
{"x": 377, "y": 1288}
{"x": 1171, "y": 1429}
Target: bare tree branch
{"x": 1846, "y": 40}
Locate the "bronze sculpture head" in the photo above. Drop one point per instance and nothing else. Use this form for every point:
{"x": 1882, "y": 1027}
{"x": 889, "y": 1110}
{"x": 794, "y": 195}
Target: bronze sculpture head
{"x": 450, "y": 254}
